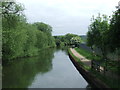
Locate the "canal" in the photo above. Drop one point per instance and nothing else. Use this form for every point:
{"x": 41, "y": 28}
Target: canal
{"x": 52, "y": 68}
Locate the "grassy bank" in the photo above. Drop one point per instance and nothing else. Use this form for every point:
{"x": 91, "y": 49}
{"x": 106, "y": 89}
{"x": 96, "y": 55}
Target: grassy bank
{"x": 111, "y": 82}
{"x": 78, "y": 60}
{"x": 87, "y": 54}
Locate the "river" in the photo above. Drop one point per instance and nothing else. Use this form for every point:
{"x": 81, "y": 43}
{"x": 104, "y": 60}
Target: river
{"x": 52, "y": 68}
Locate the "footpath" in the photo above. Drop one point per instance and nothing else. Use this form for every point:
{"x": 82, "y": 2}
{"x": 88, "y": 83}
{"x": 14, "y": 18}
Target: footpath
{"x": 88, "y": 63}
{"x": 88, "y": 76}
{"x": 82, "y": 58}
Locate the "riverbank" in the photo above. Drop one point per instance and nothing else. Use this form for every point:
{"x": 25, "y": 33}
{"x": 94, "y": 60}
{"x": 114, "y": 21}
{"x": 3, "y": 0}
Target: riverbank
{"x": 82, "y": 58}
{"x": 84, "y": 68}
{"x": 4, "y": 62}
{"x": 50, "y": 69}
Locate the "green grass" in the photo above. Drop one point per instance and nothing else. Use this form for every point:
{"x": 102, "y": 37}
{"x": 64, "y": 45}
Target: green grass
{"x": 87, "y": 54}
{"x": 78, "y": 60}
{"x": 112, "y": 66}
{"x": 111, "y": 82}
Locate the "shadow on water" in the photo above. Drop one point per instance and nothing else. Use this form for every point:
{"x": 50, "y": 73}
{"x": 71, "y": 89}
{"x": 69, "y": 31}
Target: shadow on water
{"x": 21, "y": 72}
{"x": 43, "y": 71}
{"x": 65, "y": 48}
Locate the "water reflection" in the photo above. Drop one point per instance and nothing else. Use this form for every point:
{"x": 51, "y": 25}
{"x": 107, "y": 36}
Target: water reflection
{"x": 62, "y": 75}
{"x": 21, "y": 73}
{"x": 51, "y": 69}
{"x": 64, "y": 49}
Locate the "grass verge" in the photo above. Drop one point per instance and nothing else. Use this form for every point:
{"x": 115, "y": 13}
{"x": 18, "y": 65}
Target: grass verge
{"x": 111, "y": 65}
{"x": 113, "y": 83}
{"x": 87, "y": 54}
{"x": 78, "y": 60}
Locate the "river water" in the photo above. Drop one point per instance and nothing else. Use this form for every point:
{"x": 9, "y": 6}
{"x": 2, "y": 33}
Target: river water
{"x": 51, "y": 69}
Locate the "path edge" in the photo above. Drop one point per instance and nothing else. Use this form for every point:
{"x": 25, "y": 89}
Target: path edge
{"x": 92, "y": 80}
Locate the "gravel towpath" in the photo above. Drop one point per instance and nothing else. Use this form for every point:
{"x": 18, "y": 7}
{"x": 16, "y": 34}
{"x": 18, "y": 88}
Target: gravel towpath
{"x": 82, "y": 58}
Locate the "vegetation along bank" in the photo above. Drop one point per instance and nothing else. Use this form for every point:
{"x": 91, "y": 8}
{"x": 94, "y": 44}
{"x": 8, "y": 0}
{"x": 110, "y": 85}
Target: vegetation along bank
{"x": 20, "y": 38}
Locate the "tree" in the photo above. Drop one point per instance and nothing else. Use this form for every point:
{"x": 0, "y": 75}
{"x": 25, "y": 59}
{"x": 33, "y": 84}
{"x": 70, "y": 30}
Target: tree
{"x": 114, "y": 31}
{"x": 90, "y": 39}
{"x": 96, "y": 35}
{"x": 113, "y": 34}
{"x": 19, "y": 38}
{"x": 12, "y": 36}
{"x": 68, "y": 37}
{"x": 12, "y": 13}
{"x": 76, "y": 40}
{"x": 43, "y": 27}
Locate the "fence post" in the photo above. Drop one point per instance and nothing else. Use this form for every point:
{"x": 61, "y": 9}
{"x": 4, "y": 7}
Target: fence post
{"x": 92, "y": 64}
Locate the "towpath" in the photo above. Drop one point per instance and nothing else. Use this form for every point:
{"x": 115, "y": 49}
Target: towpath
{"x": 88, "y": 63}
{"x": 82, "y": 58}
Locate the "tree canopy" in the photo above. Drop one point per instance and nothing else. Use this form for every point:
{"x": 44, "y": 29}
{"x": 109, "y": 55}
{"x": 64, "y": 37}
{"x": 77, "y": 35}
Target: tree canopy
{"x": 96, "y": 35}
{"x": 20, "y": 38}
{"x": 104, "y": 33}
{"x": 43, "y": 27}
{"x": 68, "y": 39}
{"x": 114, "y": 31}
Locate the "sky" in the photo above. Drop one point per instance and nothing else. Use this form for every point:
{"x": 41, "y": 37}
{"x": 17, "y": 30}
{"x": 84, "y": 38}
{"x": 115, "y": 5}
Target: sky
{"x": 67, "y": 16}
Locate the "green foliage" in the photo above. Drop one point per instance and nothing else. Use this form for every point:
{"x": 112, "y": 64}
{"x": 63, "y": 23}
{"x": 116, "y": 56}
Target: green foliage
{"x": 101, "y": 33}
{"x": 114, "y": 31}
{"x": 59, "y": 40}
{"x": 106, "y": 37}
{"x": 11, "y": 14}
{"x": 96, "y": 35}
{"x": 79, "y": 61}
{"x": 88, "y": 54}
{"x": 26, "y": 69}
{"x": 75, "y": 40}
{"x": 43, "y": 27}
{"x": 21, "y": 39}
{"x": 29, "y": 46}
{"x": 111, "y": 82}
{"x": 68, "y": 39}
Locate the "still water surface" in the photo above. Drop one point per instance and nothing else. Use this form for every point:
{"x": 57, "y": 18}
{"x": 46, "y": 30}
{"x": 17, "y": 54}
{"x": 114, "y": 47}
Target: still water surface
{"x": 51, "y": 69}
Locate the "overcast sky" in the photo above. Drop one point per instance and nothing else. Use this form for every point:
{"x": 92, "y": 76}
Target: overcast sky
{"x": 67, "y": 16}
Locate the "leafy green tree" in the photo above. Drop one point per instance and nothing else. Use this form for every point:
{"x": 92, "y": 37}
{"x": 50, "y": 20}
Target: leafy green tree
{"x": 59, "y": 40}
{"x": 11, "y": 13}
{"x": 29, "y": 45}
{"x": 11, "y": 20}
{"x": 114, "y": 31}
{"x": 68, "y": 37}
{"x": 43, "y": 27}
{"x": 46, "y": 29}
{"x": 90, "y": 39}
{"x": 96, "y": 35}
{"x": 113, "y": 35}
{"x": 76, "y": 40}
{"x": 19, "y": 38}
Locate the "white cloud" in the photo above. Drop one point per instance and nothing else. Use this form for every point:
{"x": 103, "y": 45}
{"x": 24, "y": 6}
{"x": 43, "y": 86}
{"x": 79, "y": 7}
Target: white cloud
{"x": 67, "y": 15}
